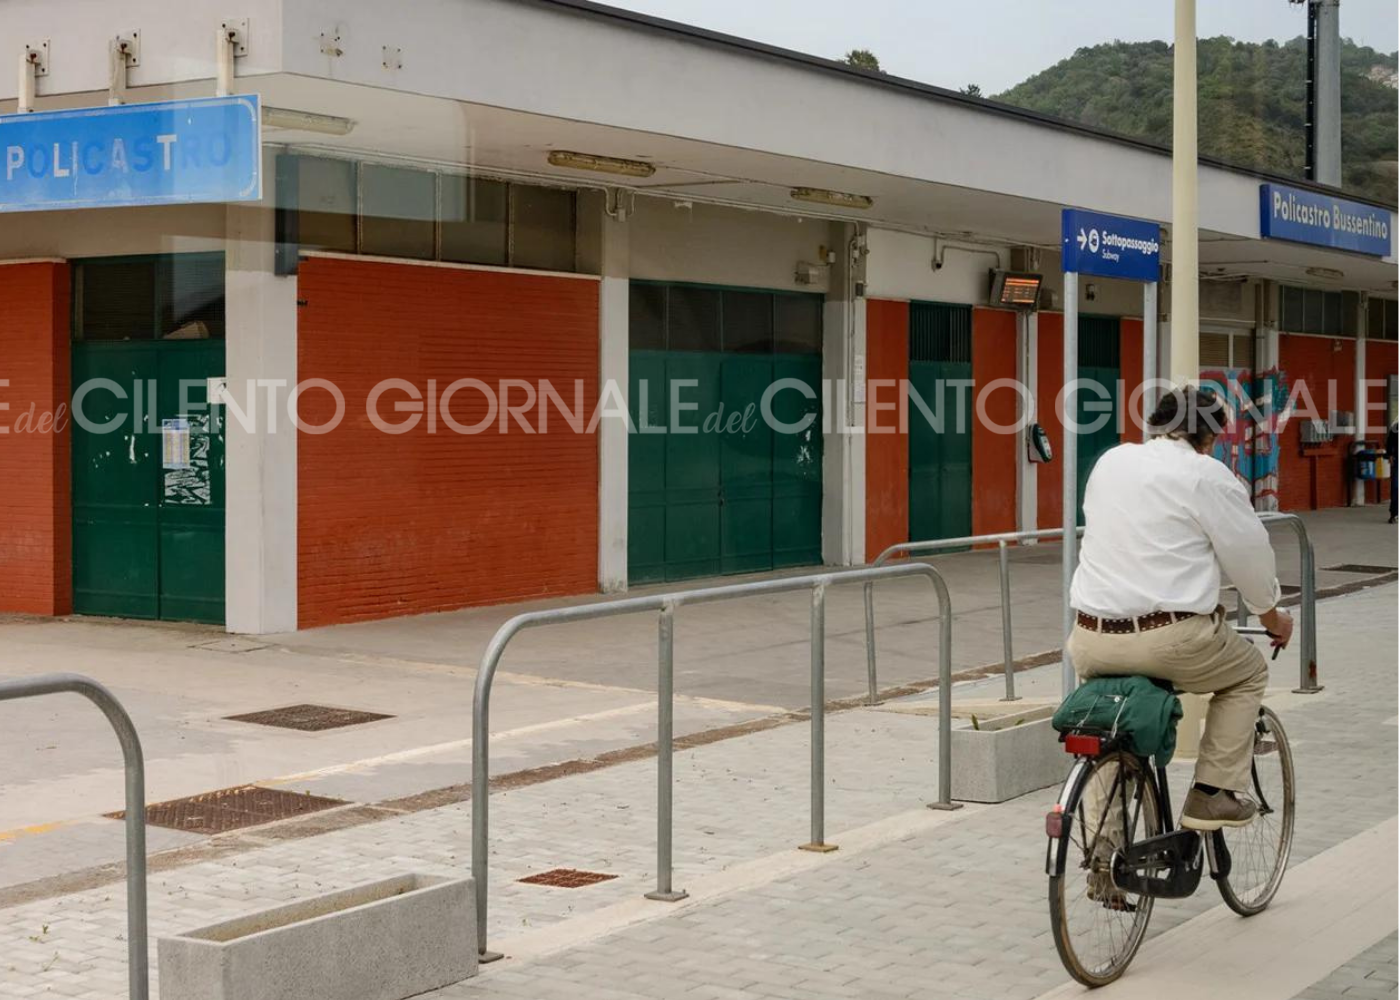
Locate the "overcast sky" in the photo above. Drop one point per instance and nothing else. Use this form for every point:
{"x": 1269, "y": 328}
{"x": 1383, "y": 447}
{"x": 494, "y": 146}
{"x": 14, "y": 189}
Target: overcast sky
{"x": 997, "y": 43}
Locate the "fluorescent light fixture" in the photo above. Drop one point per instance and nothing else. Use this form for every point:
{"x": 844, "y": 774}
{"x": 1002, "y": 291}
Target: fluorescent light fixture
{"x": 306, "y": 121}
{"x": 1331, "y": 273}
{"x": 600, "y": 164}
{"x": 840, "y": 199}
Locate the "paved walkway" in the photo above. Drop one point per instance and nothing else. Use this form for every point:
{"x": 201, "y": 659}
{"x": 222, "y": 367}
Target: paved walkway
{"x": 1371, "y": 975}
{"x": 914, "y": 904}
{"x": 563, "y": 695}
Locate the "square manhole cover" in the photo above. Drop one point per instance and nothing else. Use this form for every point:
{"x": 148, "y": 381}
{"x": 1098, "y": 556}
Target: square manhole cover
{"x": 231, "y": 644}
{"x": 231, "y": 809}
{"x": 1368, "y": 570}
{"x": 567, "y": 878}
{"x": 309, "y": 718}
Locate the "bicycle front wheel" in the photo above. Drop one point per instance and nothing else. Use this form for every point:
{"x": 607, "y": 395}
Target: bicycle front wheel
{"x": 1259, "y": 852}
{"x": 1098, "y": 927}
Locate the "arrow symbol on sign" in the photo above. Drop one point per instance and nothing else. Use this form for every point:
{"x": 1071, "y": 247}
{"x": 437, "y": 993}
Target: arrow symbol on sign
{"x": 1082, "y": 239}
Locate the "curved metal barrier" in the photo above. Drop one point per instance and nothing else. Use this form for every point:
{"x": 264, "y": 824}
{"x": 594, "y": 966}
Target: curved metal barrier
{"x": 1307, "y": 601}
{"x": 1307, "y": 571}
{"x": 32, "y": 687}
{"x": 938, "y": 545}
{"x": 665, "y": 605}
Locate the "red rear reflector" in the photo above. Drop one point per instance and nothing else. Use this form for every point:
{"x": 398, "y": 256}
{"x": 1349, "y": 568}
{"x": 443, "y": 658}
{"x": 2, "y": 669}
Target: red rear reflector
{"x": 1056, "y": 824}
{"x": 1083, "y": 746}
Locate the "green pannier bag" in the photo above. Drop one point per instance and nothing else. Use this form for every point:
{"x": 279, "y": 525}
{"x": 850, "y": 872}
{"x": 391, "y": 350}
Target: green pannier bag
{"x": 1143, "y": 709}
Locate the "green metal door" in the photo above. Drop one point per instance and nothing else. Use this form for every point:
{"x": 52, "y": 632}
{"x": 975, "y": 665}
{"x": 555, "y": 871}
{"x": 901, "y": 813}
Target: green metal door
{"x": 712, "y": 488}
{"x": 940, "y": 430}
{"x": 148, "y": 457}
{"x": 1099, "y": 362}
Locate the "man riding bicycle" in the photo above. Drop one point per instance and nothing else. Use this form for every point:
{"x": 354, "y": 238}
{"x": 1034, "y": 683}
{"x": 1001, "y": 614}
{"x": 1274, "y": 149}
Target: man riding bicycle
{"x": 1162, "y": 519}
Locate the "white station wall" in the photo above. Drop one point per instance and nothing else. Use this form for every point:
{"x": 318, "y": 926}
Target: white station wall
{"x": 712, "y": 244}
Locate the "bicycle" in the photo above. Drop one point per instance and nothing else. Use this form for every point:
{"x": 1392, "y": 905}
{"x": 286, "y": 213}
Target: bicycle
{"x": 1105, "y": 874}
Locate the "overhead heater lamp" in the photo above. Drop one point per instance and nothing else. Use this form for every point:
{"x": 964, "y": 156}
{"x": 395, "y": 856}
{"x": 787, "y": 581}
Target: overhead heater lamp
{"x": 306, "y": 121}
{"x": 839, "y": 199}
{"x": 600, "y": 164}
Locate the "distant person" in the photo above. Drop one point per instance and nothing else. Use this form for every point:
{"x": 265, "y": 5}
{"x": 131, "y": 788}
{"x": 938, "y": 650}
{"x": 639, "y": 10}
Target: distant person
{"x": 1162, "y": 519}
{"x": 1392, "y": 446}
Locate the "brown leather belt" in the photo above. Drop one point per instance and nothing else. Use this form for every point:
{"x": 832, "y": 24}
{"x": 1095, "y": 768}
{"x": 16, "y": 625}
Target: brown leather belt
{"x": 1127, "y": 626}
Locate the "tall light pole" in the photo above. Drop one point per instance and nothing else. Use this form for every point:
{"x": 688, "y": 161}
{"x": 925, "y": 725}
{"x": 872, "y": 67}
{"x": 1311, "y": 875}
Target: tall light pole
{"x": 1185, "y": 366}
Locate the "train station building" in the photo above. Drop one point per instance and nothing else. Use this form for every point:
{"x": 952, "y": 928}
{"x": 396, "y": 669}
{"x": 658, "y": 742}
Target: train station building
{"x": 559, "y": 212}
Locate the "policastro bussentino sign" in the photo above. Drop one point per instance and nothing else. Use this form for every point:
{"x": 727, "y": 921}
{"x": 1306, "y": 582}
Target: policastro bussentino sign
{"x": 1287, "y": 213}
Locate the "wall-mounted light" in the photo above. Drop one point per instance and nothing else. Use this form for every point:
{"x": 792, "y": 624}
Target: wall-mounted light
{"x": 306, "y": 121}
{"x": 600, "y": 164}
{"x": 1330, "y": 273}
{"x": 839, "y": 199}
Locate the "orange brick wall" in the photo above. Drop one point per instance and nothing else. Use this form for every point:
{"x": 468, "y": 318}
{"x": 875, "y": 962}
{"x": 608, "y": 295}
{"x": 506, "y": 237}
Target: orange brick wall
{"x": 36, "y": 556}
{"x": 1381, "y": 360}
{"x": 399, "y": 524}
{"x": 994, "y": 455}
{"x": 1130, "y": 365}
{"x": 1315, "y": 477}
{"x": 886, "y": 450}
{"x": 1050, "y": 367}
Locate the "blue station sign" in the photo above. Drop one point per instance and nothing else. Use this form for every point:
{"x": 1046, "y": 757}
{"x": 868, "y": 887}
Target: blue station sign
{"x": 1287, "y": 213}
{"x": 1109, "y": 246}
{"x": 169, "y": 152}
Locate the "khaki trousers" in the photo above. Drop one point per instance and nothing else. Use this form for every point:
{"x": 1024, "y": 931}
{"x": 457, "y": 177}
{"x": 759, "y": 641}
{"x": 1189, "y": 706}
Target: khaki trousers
{"x": 1202, "y": 655}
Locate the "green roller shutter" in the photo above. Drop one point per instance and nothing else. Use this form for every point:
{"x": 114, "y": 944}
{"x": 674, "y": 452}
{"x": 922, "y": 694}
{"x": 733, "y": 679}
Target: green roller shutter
{"x": 1099, "y": 363}
{"x": 148, "y": 527}
{"x": 940, "y": 431}
{"x": 722, "y": 492}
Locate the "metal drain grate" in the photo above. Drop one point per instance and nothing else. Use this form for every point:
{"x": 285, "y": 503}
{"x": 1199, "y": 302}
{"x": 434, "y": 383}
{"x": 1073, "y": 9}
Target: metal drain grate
{"x": 567, "y": 878}
{"x": 231, "y": 809}
{"x": 308, "y": 718}
{"x": 1359, "y": 568}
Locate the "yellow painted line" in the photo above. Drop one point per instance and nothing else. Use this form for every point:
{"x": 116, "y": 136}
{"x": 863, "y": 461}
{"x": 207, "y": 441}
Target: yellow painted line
{"x": 36, "y": 830}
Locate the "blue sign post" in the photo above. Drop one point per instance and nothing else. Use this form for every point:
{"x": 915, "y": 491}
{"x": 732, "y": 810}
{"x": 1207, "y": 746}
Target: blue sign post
{"x": 169, "y": 152}
{"x": 1108, "y": 246}
{"x": 1288, "y": 213}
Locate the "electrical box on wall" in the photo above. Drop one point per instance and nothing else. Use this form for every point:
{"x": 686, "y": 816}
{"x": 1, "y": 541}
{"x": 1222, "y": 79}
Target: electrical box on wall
{"x": 1314, "y": 432}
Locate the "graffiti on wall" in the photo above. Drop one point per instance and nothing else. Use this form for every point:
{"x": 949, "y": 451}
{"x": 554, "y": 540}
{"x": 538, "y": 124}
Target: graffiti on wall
{"x": 1259, "y": 401}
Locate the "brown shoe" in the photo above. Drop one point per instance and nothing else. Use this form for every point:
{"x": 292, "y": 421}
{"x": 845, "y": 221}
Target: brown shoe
{"x": 1215, "y": 812}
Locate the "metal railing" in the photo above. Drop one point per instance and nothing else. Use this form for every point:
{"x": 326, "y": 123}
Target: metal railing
{"x": 1307, "y": 571}
{"x": 1307, "y": 601}
{"x": 31, "y": 687}
{"x": 938, "y": 545}
{"x": 665, "y": 605}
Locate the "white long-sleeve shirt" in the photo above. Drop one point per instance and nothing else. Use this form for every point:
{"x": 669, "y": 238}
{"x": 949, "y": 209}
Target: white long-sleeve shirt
{"x": 1161, "y": 522}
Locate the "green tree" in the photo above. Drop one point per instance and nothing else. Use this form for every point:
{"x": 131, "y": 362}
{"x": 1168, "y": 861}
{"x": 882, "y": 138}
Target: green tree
{"x": 971, "y": 90}
{"x": 862, "y": 59}
{"x": 1251, "y": 103}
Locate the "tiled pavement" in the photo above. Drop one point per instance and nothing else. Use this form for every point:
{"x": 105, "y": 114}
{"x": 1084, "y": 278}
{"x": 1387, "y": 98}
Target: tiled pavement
{"x": 958, "y": 911}
{"x": 1369, "y": 976}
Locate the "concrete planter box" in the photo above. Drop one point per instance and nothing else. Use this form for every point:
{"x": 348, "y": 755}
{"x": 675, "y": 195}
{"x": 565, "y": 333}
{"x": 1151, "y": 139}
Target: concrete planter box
{"x": 382, "y": 941}
{"x": 1007, "y": 757}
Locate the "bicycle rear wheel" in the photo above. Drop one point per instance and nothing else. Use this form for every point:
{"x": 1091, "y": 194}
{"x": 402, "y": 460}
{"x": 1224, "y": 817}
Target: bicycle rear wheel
{"x": 1097, "y": 927}
{"x": 1259, "y": 852}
